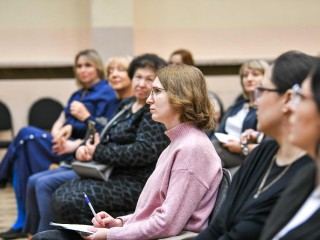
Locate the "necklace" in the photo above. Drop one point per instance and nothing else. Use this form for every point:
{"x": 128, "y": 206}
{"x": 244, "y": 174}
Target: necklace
{"x": 263, "y": 188}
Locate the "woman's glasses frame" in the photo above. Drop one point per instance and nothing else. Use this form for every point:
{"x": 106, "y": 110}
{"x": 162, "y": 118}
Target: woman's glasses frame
{"x": 155, "y": 91}
{"x": 258, "y": 91}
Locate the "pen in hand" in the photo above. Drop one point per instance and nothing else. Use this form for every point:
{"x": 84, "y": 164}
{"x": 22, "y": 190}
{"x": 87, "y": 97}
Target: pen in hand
{"x": 89, "y": 203}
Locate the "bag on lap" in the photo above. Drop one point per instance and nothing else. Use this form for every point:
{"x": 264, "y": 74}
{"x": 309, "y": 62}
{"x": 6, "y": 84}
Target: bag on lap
{"x": 93, "y": 169}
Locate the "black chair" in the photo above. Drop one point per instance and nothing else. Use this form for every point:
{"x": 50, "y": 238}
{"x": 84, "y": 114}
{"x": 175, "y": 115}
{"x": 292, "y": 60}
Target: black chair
{"x": 222, "y": 192}
{"x": 5, "y": 124}
{"x": 44, "y": 112}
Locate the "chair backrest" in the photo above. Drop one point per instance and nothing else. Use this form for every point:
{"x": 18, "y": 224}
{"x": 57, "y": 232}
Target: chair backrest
{"x": 44, "y": 112}
{"x": 222, "y": 192}
{"x": 5, "y": 123}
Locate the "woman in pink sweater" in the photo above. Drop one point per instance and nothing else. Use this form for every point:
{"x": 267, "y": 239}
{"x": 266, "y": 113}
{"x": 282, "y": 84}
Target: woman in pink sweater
{"x": 181, "y": 192}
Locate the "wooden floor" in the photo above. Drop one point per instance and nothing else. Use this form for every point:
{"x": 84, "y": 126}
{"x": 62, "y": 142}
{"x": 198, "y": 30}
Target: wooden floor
{"x": 8, "y": 208}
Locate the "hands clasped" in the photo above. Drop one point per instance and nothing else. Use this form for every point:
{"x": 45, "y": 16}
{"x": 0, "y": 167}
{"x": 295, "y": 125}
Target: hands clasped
{"x": 85, "y": 152}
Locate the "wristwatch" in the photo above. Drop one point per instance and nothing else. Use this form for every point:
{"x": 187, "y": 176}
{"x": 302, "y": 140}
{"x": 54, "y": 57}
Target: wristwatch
{"x": 244, "y": 149}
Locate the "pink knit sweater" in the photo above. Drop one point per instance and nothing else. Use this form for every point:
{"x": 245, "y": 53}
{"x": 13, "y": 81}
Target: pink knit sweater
{"x": 180, "y": 193}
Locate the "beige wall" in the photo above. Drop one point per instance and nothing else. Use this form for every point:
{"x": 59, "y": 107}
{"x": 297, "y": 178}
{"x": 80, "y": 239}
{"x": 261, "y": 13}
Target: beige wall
{"x": 53, "y": 31}
{"x": 41, "y": 31}
{"x": 50, "y": 33}
{"x": 227, "y": 29}
{"x": 20, "y": 94}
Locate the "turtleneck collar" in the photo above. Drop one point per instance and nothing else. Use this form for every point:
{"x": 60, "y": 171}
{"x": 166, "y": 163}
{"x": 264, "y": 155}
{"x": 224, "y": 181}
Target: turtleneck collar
{"x": 179, "y": 131}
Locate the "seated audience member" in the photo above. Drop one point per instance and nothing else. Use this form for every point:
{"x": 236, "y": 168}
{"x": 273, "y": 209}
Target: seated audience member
{"x": 181, "y": 56}
{"x": 34, "y": 150}
{"x": 181, "y": 192}
{"x": 218, "y": 113}
{"x": 132, "y": 145}
{"x": 240, "y": 116}
{"x": 41, "y": 185}
{"x": 297, "y": 213}
{"x": 271, "y": 166}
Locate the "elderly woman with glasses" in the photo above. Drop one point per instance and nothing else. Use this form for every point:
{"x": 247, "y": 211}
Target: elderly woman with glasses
{"x": 297, "y": 213}
{"x": 270, "y": 167}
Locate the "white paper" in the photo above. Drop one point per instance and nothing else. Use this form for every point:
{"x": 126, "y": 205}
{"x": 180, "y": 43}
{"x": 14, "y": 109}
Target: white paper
{"x": 80, "y": 228}
{"x": 224, "y": 138}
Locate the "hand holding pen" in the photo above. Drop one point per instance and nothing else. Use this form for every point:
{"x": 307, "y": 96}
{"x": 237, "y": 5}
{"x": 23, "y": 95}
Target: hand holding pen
{"x": 107, "y": 221}
{"x": 92, "y": 210}
{"x": 103, "y": 219}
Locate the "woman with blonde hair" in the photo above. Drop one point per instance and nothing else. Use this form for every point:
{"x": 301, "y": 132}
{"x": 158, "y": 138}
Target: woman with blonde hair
{"x": 34, "y": 150}
{"x": 241, "y": 116}
{"x": 41, "y": 185}
{"x": 181, "y": 192}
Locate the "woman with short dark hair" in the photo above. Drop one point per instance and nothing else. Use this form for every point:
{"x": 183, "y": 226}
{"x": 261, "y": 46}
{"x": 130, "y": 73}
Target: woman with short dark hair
{"x": 296, "y": 214}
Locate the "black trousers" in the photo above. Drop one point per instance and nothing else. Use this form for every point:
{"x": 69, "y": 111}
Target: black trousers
{"x": 118, "y": 196}
{"x": 57, "y": 235}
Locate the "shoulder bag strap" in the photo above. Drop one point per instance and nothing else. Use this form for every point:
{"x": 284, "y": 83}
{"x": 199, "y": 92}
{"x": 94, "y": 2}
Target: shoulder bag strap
{"x": 107, "y": 127}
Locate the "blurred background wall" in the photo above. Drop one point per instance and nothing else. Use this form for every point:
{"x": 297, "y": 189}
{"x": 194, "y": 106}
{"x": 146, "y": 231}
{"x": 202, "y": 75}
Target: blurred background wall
{"x": 39, "y": 39}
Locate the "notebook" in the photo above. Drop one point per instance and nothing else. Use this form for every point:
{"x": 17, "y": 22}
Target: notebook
{"x": 80, "y": 228}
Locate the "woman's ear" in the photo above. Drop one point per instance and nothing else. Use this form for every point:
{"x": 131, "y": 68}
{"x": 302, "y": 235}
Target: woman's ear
{"x": 286, "y": 101}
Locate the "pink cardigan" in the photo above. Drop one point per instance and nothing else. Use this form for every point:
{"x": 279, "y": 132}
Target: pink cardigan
{"x": 180, "y": 193}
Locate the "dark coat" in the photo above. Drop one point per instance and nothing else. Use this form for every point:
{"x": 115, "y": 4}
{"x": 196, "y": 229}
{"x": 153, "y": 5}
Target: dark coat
{"x": 133, "y": 143}
{"x": 289, "y": 203}
{"x": 241, "y": 216}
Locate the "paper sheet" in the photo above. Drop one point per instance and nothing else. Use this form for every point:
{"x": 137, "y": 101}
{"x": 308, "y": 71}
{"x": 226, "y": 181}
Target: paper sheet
{"x": 224, "y": 138}
{"x": 80, "y": 228}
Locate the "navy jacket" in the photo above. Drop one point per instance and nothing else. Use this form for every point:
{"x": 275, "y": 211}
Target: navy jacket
{"x": 250, "y": 120}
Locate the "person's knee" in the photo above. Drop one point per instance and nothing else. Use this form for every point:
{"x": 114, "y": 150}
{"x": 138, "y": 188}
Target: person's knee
{"x": 32, "y": 181}
{"x": 24, "y": 131}
{"x": 43, "y": 185}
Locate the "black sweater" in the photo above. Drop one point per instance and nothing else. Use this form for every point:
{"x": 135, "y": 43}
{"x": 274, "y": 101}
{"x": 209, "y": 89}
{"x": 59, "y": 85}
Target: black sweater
{"x": 241, "y": 216}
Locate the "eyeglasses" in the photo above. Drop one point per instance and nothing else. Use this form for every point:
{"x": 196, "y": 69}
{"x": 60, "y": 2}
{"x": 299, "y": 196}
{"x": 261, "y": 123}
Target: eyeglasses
{"x": 296, "y": 96}
{"x": 155, "y": 92}
{"x": 259, "y": 90}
